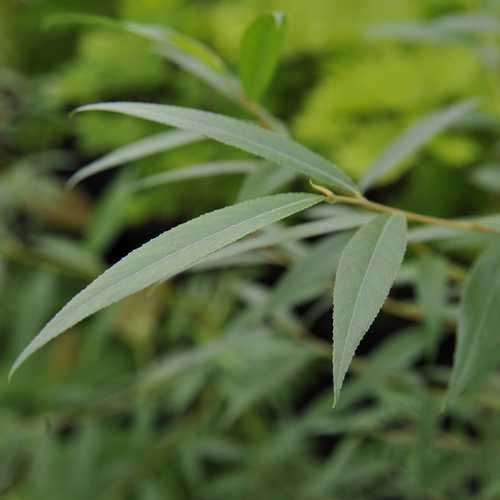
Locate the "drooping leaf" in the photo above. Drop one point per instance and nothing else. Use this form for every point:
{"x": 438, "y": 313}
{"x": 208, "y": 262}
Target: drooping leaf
{"x": 266, "y": 179}
{"x": 197, "y": 172}
{"x": 476, "y": 350}
{"x": 153, "y": 32}
{"x": 188, "y": 53}
{"x": 135, "y": 151}
{"x": 413, "y": 138}
{"x": 368, "y": 267}
{"x": 168, "y": 254}
{"x": 259, "y": 53}
{"x": 224, "y": 83}
{"x": 431, "y": 281}
{"x": 251, "y": 138}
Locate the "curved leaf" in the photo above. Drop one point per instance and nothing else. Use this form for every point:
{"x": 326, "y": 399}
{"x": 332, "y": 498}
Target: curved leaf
{"x": 191, "y": 55}
{"x": 196, "y": 172}
{"x": 413, "y": 138}
{"x": 477, "y": 345}
{"x": 251, "y": 138}
{"x": 151, "y": 145}
{"x": 368, "y": 267}
{"x": 431, "y": 288}
{"x": 168, "y": 254}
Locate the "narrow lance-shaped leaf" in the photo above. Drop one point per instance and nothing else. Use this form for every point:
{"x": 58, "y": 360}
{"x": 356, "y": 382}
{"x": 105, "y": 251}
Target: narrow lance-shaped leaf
{"x": 153, "y": 32}
{"x": 251, "y": 138}
{"x": 413, "y": 138}
{"x": 477, "y": 351}
{"x": 190, "y": 54}
{"x": 431, "y": 281}
{"x": 170, "y": 253}
{"x": 368, "y": 267}
{"x": 259, "y": 53}
{"x": 135, "y": 151}
{"x": 196, "y": 172}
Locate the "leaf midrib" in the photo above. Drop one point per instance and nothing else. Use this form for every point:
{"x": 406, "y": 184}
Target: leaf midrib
{"x": 191, "y": 245}
{"x": 356, "y": 302}
{"x": 189, "y": 121}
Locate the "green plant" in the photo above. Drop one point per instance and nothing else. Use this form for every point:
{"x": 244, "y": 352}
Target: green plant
{"x": 370, "y": 262}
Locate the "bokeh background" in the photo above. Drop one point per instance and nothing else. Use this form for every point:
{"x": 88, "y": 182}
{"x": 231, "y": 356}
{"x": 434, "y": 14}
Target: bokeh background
{"x": 145, "y": 400}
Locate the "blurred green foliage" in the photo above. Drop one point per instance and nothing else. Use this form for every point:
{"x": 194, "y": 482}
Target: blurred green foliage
{"x": 161, "y": 396}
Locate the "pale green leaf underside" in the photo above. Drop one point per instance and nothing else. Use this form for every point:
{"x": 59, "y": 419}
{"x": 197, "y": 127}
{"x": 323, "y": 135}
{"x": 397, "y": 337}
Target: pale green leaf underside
{"x": 413, "y": 138}
{"x": 196, "y": 172}
{"x": 146, "y": 147}
{"x": 188, "y": 53}
{"x": 153, "y": 32}
{"x": 368, "y": 267}
{"x": 169, "y": 254}
{"x": 479, "y": 321}
{"x": 251, "y": 138}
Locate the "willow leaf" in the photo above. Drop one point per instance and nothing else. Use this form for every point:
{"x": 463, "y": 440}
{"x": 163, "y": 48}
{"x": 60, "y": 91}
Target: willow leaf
{"x": 146, "y": 147}
{"x": 168, "y": 254}
{"x": 477, "y": 344}
{"x": 251, "y": 138}
{"x": 153, "y": 32}
{"x": 368, "y": 267}
{"x": 196, "y": 172}
{"x": 413, "y": 138}
{"x": 431, "y": 285}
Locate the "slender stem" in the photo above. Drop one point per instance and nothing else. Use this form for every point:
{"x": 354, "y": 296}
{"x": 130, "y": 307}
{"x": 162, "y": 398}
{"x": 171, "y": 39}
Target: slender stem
{"x": 361, "y": 201}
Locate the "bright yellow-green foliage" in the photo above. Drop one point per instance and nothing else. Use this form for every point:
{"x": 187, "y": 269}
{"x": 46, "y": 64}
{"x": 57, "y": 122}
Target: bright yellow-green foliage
{"x": 385, "y": 90}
